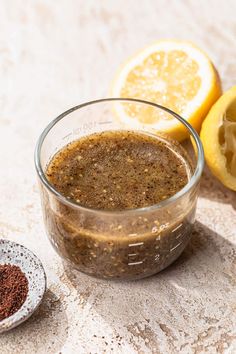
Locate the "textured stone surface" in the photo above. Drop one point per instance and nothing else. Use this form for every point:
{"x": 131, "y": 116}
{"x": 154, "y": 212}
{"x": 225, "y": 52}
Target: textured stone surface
{"x": 54, "y": 55}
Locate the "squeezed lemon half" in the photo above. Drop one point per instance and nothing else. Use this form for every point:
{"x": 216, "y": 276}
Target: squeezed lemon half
{"x": 218, "y": 136}
{"x": 174, "y": 74}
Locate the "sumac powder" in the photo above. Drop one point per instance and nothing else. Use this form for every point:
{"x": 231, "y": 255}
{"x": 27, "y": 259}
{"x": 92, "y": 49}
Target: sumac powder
{"x": 13, "y": 289}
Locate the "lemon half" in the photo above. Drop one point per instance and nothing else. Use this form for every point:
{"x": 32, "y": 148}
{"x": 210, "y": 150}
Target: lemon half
{"x": 218, "y": 136}
{"x": 175, "y": 74}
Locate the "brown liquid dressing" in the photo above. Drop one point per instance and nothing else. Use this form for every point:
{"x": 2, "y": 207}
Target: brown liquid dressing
{"x": 117, "y": 171}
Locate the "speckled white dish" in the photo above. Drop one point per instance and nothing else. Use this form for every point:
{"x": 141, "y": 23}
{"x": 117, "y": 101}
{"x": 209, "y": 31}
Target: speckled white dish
{"x": 15, "y": 254}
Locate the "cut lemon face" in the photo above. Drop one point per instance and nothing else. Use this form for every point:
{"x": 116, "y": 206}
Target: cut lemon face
{"x": 174, "y": 74}
{"x": 218, "y": 136}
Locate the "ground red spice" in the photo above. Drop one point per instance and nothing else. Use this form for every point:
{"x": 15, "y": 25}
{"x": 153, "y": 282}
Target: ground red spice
{"x": 13, "y": 289}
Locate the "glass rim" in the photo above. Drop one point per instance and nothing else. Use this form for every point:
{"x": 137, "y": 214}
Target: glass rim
{"x": 192, "y": 181}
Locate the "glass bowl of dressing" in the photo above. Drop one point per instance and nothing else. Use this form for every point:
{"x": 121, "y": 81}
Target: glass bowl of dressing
{"x": 118, "y": 201}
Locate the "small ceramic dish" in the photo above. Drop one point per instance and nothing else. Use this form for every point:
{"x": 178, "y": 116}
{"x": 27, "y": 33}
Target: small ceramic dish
{"x": 15, "y": 254}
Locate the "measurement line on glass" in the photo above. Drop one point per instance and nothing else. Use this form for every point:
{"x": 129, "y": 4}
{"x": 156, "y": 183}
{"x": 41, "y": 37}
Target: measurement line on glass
{"x": 135, "y": 263}
{"x": 177, "y": 227}
{"x": 132, "y": 254}
{"x": 132, "y": 235}
{"x": 66, "y": 136}
{"x": 108, "y": 122}
{"x": 135, "y": 244}
{"x": 173, "y": 248}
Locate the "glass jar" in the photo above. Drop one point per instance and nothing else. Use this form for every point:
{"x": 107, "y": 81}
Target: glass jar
{"x": 128, "y": 244}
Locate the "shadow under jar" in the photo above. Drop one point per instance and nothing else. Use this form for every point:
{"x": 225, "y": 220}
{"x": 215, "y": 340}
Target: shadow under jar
{"x": 125, "y": 243}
